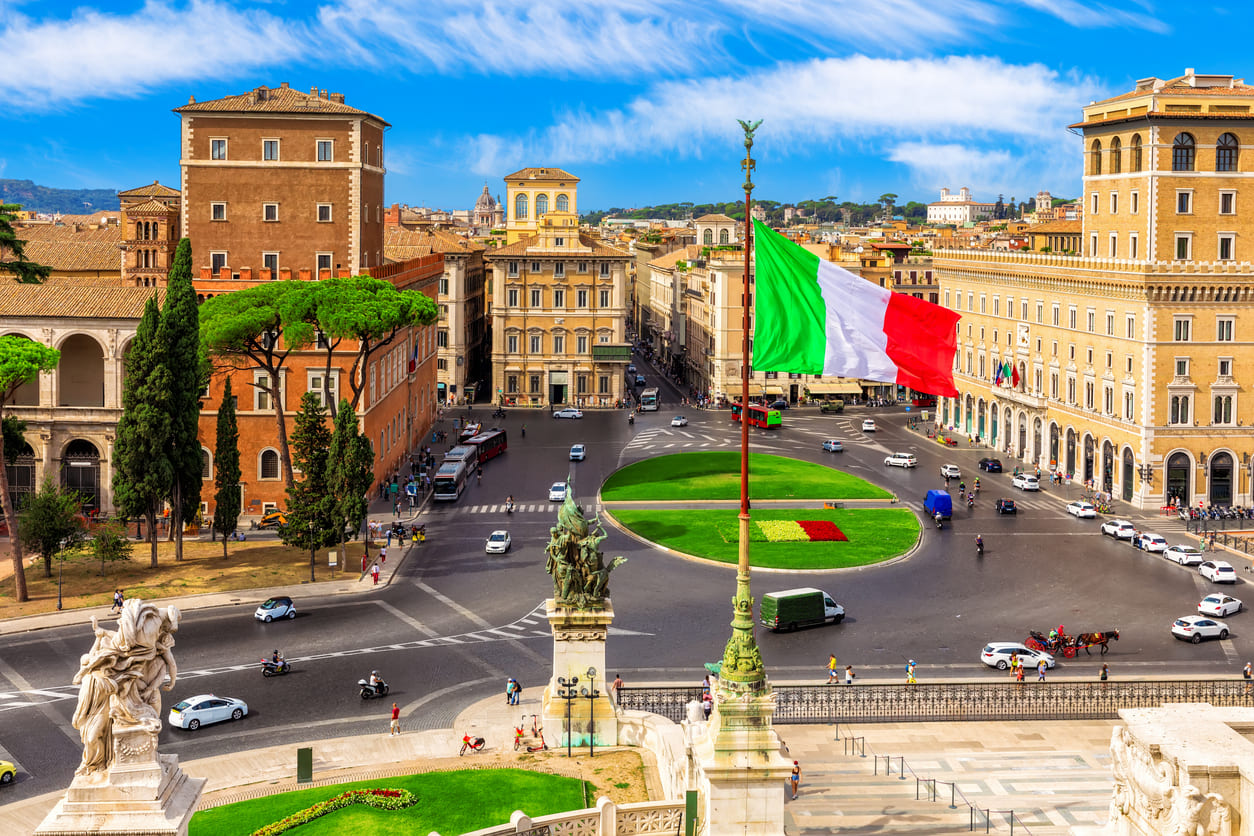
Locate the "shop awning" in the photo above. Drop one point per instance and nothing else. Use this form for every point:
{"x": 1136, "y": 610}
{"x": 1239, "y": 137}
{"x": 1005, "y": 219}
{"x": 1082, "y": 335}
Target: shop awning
{"x": 775, "y": 390}
{"x": 755, "y": 391}
{"x": 844, "y": 388}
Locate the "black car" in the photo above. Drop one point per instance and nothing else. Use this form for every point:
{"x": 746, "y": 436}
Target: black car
{"x": 781, "y": 404}
{"x": 991, "y": 465}
{"x": 1006, "y": 506}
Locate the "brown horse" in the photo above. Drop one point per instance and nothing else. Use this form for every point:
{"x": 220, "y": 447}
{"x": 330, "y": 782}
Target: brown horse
{"x": 1086, "y": 640}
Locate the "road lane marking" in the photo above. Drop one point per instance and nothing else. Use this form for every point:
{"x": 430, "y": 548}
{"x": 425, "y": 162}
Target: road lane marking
{"x": 410, "y": 620}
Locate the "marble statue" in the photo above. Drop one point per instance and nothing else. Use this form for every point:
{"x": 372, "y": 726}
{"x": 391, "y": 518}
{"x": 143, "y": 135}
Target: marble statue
{"x": 581, "y": 577}
{"x": 120, "y": 680}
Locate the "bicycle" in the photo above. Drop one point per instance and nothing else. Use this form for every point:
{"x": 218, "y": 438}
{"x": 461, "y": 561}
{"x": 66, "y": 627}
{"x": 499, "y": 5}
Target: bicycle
{"x": 474, "y": 744}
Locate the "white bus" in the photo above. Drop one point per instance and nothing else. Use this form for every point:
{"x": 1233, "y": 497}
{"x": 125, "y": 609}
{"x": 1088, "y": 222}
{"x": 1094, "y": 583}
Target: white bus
{"x": 451, "y": 478}
{"x": 649, "y": 400}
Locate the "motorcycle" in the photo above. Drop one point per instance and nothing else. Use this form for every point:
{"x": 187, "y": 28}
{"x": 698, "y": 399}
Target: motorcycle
{"x": 940, "y": 522}
{"x": 509, "y": 507}
{"x": 271, "y": 668}
{"x": 369, "y": 691}
{"x": 979, "y": 548}
{"x": 631, "y": 419}
{"x": 500, "y": 413}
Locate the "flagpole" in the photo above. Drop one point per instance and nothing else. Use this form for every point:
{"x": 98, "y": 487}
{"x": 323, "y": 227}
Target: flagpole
{"x": 742, "y": 662}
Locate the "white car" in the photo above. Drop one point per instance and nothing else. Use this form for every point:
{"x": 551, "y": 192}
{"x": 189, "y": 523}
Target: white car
{"x": 1184, "y": 555}
{"x": 950, "y": 471}
{"x": 1150, "y": 542}
{"x": 498, "y": 542}
{"x": 278, "y": 607}
{"x": 557, "y": 492}
{"x": 1218, "y": 571}
{"x": 1026, "y": 482}
{"x": 1119, "y": 529}
{"x": 868, "y": 426}
{"x": 833, "y": 446}
{"x": 1219, "y": 605}
{"x": 679, "y": 421}
{"x": 568, "y": 412}
{"x": 578, "y": 452}
{"x": 204, "y": 709}
{"x": 1082, "y": 510}
{"x": 901, "y": 460}
{"x": 997, "y": 655}
{"x": 1194, "y": 628}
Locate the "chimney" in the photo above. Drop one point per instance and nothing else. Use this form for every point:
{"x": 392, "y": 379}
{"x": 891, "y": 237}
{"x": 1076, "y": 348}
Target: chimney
{"x": 283, "y": 85}
{"x": 191, "y": 100}
{"x": 338, "y": 98}
{"x": 313, "y": 91}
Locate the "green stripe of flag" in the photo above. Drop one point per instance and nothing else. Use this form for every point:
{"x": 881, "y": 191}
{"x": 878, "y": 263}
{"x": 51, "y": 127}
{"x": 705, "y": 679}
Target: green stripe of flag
{"x": 790, "y": 319}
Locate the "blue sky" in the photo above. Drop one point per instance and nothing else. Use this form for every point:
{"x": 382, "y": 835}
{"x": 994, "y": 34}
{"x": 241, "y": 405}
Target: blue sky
{"x": 639, "y": 98}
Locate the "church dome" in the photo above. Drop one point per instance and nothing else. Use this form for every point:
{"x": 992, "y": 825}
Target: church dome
{"x": 485, "y": 203}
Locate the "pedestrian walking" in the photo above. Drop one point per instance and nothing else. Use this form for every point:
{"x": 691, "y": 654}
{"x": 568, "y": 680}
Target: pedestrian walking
{"x": 1104, "y": 674}
{"x": 396, "y": 509}
{"x": 707, "y": 704}
{"x": 383, "y": 554}
{"x": 910, "y": 678}
{"x": 1015, "y": 664}
{"x": 374, "y": 573}
{"x": 849, "y": 674}
{"x": 1248, "y": 673}
{"x": 509, "y": 691}
{"x": 1019, "y": 673}
{"x": 1040, "y": 671}
{"x": 117, "y": 601}
{"x": 396, "y": 721}
{"x": 617, "y": 686}
{"x": 831, "y": 668}
{"x": 794, "y": 779}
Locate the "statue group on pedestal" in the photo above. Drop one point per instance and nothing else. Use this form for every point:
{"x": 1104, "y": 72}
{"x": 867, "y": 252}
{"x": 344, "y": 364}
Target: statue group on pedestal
{"x": 581, "y": 578}
{"x": 120, "y": 680}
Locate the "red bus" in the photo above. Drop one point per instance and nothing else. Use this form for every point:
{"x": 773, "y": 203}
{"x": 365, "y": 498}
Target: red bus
{"x": 923, "y": 400}
{"x": 488, "y": 445}
{"x": 759, "y": 416}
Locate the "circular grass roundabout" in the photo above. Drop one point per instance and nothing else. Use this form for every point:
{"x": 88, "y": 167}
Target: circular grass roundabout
{"x": 780, "y": 538}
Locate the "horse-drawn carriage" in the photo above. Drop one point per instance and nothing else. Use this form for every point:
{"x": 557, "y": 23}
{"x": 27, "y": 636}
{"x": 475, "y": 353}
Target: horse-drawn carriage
{"x": 1068, "y": 646}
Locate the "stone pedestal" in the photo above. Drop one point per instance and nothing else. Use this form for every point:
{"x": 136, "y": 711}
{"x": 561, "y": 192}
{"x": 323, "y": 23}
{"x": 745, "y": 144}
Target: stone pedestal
{"x": 579, "y": 644}
{"x": 142, "y": 793}
{"x": 743, "y": 774}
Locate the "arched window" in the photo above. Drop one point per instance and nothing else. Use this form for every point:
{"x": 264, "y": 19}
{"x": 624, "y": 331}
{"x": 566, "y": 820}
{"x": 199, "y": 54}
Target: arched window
{"x": 1179, "y": 409}
{"x": 1095, "y": 157}
{"x": 520, "y": 207}
{"x": 269, "y": 468}
{"x": 707, "y": 237}
{"x": 723, "y": 236}
{"x": 563, "y": 203}
{"x": 139, "y": 230}
{"x": 1226, "y": 153}
{"x": 542, "y": 204}
{"x": 206, "y": 464}
{"x": 1136, "y": 153}
{"x": 1116, "y": 160}
{"x": 1183, "y": 152}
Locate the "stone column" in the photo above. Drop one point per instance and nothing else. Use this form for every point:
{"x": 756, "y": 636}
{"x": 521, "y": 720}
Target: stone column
{"x": 578, "y": 646}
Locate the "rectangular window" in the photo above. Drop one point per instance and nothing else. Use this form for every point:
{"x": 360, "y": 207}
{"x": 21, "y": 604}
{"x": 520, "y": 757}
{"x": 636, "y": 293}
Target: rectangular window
{"x": 559, "y": 344}
{"x": 947, "y": 298}
{"x": 535, "y": 267}
{"x": 603, "y": 298}
{"x": 1127, "y": 406}
{"x": 270, "y": 261}
{"x": 1182, "y": 367}
{"x": 1134, "y": 203}
{"x": 605, "y": 272}
{"x": 1053, "y": 385}
{"x": 581, "y": 345}
{"x": 217, "y": 211}
{"x": 217, "y": 260}
{"x": 581, "y": 384}
{"x": 324, "y": 213}
{"x": 1093, "y": 203}
{"x": 269, "y": 211}
{"x": 1114, "y": 245}
{"x": 1108, "y": 400}
{"x": 316, "y": 387}
{"x": 217, "y": 149}
{"x": 1071, "y": 318}
{"x": 583, "y": 267}
{"x": 1054, "y": 318}
{"x": 533, "y": 383}
{"x": 512, "y": 268}
{"x": 559, "y": 270}
{"x": 443, "y": 286}
{"x": 324, "y": 262}
{"x": 559, "y": 297}
{"x": 603, "y": 381}
{"x": 1133, "y": 252}
{"x": 534, "y": 343}
{"x": 511, "y": 344}
{"x": 581, "y": 298}
{"x": 1225, "y": 367}
{"x": 1181, "y": 330}
{"x": 326, "y": 150}
{"x": 1223, "y": 329}
{"x": 511, "y": 297}
{"x": 1110, "y": 359}
{"x": 1227, "y": 241}
{"x": 1184, "y": 202}
{"x": 559, "y": 242}
{"x": 1093, "y": 245}
{"x": 511, "y": 384}
{"x": 1127, "y": 363}
{"x": 996, "y": 306}
{"x": 1130, "y": 327}
{"x": 1071, "y": 390}
{"x": 270, "y": 150}
{"x": 1088, "y": 395}
{"x": 1184, "y": 247}
{"x": 983, "y": 303}
{"x": 1227, "y": 203}
{"x": 1114, "y": 203}
{"x": 441, "y": 338}
{"x": 1054, "y": 348}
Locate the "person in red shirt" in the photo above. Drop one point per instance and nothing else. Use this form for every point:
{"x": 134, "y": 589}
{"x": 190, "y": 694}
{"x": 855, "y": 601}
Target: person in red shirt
{"x": 396, "y": 721}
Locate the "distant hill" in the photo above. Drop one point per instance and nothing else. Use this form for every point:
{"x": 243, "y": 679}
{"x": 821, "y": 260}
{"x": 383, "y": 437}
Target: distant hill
{"x": 66, "y": 201}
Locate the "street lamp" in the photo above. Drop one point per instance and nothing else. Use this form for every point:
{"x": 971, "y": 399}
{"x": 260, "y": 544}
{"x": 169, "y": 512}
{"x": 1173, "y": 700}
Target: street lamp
{"x": 60, "y": 570}
{"x": 591, "y": 693}
{"x": 569, "y": 693}
{"x": 311, "y": 551}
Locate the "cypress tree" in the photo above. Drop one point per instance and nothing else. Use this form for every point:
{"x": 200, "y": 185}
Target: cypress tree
{"x": 350, "y": 472}
{"x": 309, "y": 501}
{"x": 226, "y": 499}
{"x": 180, "y": 339}
{"x": 141, "y": 466}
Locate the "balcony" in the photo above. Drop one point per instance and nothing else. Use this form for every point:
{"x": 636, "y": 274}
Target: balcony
{"x": 1025, "y": 399}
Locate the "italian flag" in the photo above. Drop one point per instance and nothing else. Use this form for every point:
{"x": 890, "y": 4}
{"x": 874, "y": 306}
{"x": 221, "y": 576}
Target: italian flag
{"x": 813, "y": 317}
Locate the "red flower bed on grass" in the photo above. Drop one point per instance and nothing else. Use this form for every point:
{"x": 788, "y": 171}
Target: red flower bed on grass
{"x": 821, "y": 530}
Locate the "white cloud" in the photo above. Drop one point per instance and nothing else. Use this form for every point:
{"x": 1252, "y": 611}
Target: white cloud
{"x": 1089, "y": 15}
{"x": 858, "y": 99}
{"x": 50, "y": 62}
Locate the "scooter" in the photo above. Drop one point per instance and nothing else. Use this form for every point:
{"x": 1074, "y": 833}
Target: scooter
{"x": 631, "y": 419}
{"x": 979, "y": 547}
{"x": 369, "y": 691}
{"x": 509, "y": 507}
{"x": 271, "y": 668}
{"x": 940, "y": 522}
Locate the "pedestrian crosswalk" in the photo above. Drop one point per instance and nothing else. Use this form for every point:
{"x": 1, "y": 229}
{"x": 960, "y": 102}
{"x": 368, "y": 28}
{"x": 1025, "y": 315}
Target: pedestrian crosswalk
{"x": 519, "y": 508}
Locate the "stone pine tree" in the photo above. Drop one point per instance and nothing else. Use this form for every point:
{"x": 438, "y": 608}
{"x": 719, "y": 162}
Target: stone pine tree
{"x": 179, "y": 336}
{"x": 21, "y": 361}
{"x": 312, "y": 521}
{"x": 13, "y": 259}
{"x": 226, "y": 475}
{"x": 142, "y": 471}
{"x": 350, "y": 471}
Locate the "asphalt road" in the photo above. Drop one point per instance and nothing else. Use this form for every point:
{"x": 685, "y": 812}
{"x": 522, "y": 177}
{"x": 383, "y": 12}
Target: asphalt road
{"x": 455, "y": 623}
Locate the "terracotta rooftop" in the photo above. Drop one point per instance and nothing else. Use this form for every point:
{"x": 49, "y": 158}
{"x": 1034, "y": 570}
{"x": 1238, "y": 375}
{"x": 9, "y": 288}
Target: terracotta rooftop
{"x": 154, "y": 190}
{"x": 542, "y": 174}
{"x": 149, "y": 206}
{"x": 282, "y": 99}
{"x": 1056, "y": 228}
{"x": 521, "y": 248}
{"x": 716, "y": 219}
{"x": 1179, "y": 86}
{"x": 70, "y": 232}
{"x": 65, "y": 248}
{"x": 75, "y": 301}
{"x": 668, "y": 261}
{"x": 400, "y": 244}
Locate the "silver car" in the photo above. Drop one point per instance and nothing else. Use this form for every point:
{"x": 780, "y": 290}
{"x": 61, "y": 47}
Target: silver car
{"x": 204, "y": 709}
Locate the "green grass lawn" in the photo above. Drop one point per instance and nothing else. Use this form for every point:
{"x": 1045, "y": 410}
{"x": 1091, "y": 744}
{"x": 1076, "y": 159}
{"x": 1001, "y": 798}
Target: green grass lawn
{"x": 448, "y": 802}
{"x": 716, "y": 475}
{"x": 875, "y": 535}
